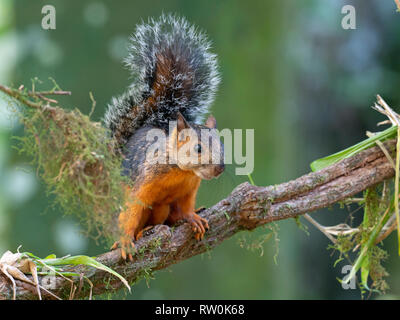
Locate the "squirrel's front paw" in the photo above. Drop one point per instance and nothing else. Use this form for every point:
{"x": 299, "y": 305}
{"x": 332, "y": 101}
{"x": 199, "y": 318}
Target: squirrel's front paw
{"x": 199, "y": 225}
{"x": 127, "y": 247}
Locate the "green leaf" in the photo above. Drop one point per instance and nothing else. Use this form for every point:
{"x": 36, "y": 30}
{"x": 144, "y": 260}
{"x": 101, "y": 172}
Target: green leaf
{"x": 251, "y": 179}
{"x": 337, "y": 261}
{"x": 365, "y": 264}
{"x": 88, "y": 261}
{"x": 54, "y": 262}
{"x": 365, "y": 273}
{"x": 367, "y": 143}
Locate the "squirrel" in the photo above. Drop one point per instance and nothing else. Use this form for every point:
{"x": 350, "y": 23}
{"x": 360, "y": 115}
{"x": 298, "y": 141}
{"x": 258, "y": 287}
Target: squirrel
{"x": 175, "y": 78}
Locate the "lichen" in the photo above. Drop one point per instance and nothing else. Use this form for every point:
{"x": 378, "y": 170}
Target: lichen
{"x": 75, "y": 159}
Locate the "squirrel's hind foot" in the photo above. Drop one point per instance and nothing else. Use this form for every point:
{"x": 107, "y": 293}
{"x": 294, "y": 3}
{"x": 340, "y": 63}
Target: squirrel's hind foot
{"x": 199, "y": 225}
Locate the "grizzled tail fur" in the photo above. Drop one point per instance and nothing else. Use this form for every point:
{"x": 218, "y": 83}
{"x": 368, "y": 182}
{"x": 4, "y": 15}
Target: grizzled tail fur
{"x": 173, "y": 71}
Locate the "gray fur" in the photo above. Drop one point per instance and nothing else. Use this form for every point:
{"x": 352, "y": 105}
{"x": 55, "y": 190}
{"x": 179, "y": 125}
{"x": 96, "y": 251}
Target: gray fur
{"x": 187, "y": 44}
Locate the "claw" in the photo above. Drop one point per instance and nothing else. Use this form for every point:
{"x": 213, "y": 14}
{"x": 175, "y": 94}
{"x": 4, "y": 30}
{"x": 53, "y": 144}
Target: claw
{"x": 199, "y": 226}
{"x": 141, "y": 232}
{"x": 127, "y": 246}
{"x": 115, "y": 245}
{"x": 200, "y": 209}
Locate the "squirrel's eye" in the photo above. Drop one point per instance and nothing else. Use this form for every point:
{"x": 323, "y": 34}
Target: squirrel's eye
{"x": 197, "y": 148}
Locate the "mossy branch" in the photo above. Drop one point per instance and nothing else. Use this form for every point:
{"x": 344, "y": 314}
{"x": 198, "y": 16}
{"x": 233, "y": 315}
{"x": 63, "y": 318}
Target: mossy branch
{"x": 74, "y": 156}
{"x": 246, "y": 208}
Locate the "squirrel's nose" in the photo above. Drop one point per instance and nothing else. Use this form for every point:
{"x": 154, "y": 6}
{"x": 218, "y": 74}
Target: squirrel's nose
{"x": 218, "y": 169}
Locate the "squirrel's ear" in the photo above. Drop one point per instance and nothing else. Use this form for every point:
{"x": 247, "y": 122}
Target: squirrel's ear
{"x": 211, "y": 122}
{"x": 181, "y": 122}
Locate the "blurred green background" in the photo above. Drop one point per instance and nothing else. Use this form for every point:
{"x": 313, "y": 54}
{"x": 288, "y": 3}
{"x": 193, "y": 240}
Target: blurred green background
{"x": 289, "y": 71}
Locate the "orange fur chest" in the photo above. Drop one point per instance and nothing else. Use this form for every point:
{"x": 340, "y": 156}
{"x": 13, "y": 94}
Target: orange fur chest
{"x": 169, "y": 187}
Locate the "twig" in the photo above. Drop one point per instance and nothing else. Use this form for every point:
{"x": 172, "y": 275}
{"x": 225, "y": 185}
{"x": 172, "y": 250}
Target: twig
{"x": 319, "y": 227}
{"x": 93, "y": 104}
{"x": 17, "y": 95}
{"x": 50, "y": 93}
{"x": 395, "y": 119}
{"x": 387, "y": 229}
{"x": 45, "y": 98}
{"x": 42, "y": 94}
{"x": 384, "y": 150}
{"x": 20, "y": 96}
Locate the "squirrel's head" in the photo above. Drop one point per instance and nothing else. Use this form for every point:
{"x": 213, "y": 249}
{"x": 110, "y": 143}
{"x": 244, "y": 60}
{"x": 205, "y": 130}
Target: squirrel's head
{"x": 198, "y": 147}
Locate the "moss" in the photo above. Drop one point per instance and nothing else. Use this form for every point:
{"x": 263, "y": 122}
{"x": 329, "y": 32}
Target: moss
{"x": 318, "y": 179}
{"x": 376, "y": 201}
{"x": 153, "y": 245}
{"x": 226, "y": 216}
{"x": 286, "y": 209}
{"x": 375, "y": 204}
{"x": 301, "y": 225}
{"x": 75, "y": 158}
{"x": 146, "y": 273}
{"x": 258, "y": 244}
{"x": 344, "y": 243}
{"x": 377, "y": 272}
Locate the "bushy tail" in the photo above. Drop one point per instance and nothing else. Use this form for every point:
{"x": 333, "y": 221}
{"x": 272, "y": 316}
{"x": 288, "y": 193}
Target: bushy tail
{"x": 173, "y": 70}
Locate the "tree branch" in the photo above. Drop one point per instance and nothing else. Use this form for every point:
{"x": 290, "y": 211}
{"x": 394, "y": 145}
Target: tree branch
{"x": 246, "y": 208}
